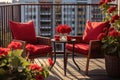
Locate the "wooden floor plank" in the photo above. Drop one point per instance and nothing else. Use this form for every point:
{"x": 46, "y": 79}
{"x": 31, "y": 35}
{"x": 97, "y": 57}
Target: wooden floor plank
{"x": 96, "y": 69}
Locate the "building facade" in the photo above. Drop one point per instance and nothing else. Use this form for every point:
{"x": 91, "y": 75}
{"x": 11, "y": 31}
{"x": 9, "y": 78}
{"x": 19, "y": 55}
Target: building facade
{"x": 46, "y": 17}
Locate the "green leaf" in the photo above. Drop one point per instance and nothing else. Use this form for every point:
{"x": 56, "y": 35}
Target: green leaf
{"x": 2, "y": 71}
{"x": 112, "y": 50}
{"x": 104, "y": 46}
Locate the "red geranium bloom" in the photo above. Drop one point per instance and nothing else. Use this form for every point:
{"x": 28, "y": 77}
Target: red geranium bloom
{"x": 15, "y": 45}
{"x": 110, "y": 29}
{"x": 40, "y": 69}
{"x": 101, "y": 36}
{"x": 106, "y": 1}
{"x": 50, "y": 61}
{"x": 115, "y": 17}
{"x": 112, "y": 20}
{"x": 40, "y": 77}
{"x": 30, "y": 47}
{"x": 34, "y": 67}
{"x": 113, "y": 33}
{"x": 63, "y": 29}
{"x": 101, "y": 2}
{"x": 119, "y": 34}
{"x": 111, "y": 9}
{"x": 4, "y": 51}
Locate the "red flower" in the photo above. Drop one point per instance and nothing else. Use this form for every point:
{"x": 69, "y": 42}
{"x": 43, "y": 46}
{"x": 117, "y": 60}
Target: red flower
{"x": 15, "y": 45}
{"x": 115, "y": 17}
{"x": 40, "y": 69}
{"x": 40, "y": 77}
{"x": 101, "y": 2}
{"x": 30, "y": 47}
{"x": 50, "y": 61}
{"x": 4, "y": 51}
{"x": 119, "y": 34}
{"x": 111, "y": 9}
{"x": 106, "y": 1}
{"x": 68, "y": 29}
{"x": 63, "y": 29}
{"x": 113, "y": 33}
{"x": 34, "y": 67}
{"x": 110, "y": 29}
{"x": 101, "y": 36}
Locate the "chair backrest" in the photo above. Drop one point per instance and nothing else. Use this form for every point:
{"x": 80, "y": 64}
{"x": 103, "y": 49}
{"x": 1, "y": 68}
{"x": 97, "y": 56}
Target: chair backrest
{"x": 23, "y": 31}
{"x": 93, "y": 29}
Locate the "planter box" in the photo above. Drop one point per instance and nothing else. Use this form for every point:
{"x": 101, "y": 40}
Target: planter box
{"x": 112, "y": 64}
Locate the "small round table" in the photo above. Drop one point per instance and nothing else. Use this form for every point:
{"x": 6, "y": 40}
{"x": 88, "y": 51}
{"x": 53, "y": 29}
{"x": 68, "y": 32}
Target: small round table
{"x": 64, "y": 52}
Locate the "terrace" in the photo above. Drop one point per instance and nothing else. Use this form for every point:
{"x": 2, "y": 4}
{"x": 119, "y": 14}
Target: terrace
{"x": 46, "y": 17}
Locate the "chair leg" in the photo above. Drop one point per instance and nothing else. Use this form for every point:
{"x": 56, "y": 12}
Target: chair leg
{"x": 87, "y": 65}
{"x": 51, "y": 56}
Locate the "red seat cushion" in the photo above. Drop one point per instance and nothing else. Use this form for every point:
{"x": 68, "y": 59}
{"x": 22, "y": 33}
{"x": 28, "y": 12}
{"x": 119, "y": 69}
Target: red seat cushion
{"x": 93, "y": 29}
{"x": 23, "y": 31}
{"x": 41, "y": 49}
{"x": 81, "y": 48}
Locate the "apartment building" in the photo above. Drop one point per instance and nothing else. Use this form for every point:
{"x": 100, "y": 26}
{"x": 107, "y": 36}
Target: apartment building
{"x": 40, "y": 14}
{"x": 47, "y": 17}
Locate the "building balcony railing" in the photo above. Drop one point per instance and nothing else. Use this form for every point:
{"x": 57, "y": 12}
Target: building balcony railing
{"x": 75, "y": 15}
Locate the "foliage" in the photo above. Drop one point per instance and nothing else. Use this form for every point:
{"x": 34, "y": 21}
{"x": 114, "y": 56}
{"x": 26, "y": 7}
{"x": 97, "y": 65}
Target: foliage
{"x": 14, "y": 67}
{"x": 111, "y": 36}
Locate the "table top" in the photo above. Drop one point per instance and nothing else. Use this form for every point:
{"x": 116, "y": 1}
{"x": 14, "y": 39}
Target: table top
{"x": 70, "y": 41}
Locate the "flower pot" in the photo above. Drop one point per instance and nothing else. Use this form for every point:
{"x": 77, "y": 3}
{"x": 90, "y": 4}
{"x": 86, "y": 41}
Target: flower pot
{"x": 63, "y": 37}
{"x": 112, "y": 64}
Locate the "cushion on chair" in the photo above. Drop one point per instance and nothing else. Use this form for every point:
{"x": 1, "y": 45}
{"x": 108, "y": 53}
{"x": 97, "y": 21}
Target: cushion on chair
{"x": 81, "y": 48}
{"x": 23, "y": 31}
{"x": 41, "y": 49}
{"x": 93, "y": 29}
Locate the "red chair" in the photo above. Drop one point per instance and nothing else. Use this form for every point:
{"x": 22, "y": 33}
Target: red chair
{"x": 87, "y": 44}
{"x": 25, "y": 32}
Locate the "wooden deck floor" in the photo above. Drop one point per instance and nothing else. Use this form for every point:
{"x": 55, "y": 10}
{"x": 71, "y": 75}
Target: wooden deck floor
{"x": 96, "y": 69}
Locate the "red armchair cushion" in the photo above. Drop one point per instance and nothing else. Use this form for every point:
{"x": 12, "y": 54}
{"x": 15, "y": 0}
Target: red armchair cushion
{"x": 81, "y": 48}
{"x": 41, "y": 49}
{"x": 23, "y": 31}
{"x": 93, "y": 29}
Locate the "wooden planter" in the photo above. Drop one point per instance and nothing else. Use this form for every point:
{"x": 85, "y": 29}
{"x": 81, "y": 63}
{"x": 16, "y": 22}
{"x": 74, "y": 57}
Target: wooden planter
{"x": 112, "y": 64}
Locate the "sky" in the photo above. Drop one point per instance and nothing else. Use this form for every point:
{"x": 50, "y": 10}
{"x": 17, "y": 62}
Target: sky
{"x": 5, "y": 0}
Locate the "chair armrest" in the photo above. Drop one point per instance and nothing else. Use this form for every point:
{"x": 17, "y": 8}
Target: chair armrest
{"x": 95, "y": 49}
{"x": 44, "y": 40}
{"x": 77, "y": 38}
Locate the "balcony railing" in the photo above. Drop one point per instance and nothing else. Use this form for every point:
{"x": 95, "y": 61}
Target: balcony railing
{"x": 47, "y": 15}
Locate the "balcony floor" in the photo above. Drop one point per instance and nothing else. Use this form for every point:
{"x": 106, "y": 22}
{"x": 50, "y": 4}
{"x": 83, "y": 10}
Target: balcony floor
{"x": 96, "y": 69}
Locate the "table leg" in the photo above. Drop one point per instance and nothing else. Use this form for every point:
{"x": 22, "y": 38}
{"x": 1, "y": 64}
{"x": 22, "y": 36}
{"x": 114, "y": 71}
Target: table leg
{"x": 54, "y": 53}
{"x": 65, "y": 60}
{"x": 73, "y": 57}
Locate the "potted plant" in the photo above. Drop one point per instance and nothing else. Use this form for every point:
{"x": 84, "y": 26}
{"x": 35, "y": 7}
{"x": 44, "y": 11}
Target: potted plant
{"x": 63, "y": 30}
{"x": 111, "y": 38}
{"x": 14, "y": 67}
